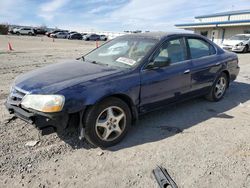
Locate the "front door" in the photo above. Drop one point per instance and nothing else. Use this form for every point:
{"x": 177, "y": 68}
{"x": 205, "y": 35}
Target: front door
{"x": 162, "y": 85}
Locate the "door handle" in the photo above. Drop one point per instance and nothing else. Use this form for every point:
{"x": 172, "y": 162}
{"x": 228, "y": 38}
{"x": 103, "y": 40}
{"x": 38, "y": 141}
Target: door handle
{"x": 187, "y": 71}
{"x": 217, "y": 64}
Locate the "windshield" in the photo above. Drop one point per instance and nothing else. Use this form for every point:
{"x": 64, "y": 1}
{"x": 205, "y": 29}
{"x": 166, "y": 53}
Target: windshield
{"x": 122, "y": 52}
{"x": 240, "y": 37}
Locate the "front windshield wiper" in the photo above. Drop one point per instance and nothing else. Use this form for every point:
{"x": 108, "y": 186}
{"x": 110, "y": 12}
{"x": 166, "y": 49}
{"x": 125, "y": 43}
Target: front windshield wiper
{"x": 98, "y": 63}
{"x": 82, "y": 57}
{"x": 94, "y": 62}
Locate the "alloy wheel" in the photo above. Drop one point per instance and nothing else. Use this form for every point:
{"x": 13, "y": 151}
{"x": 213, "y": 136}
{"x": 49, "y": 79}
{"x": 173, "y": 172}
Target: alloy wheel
{"x": 110, "y": 123}
{"x": 220, "y": 87}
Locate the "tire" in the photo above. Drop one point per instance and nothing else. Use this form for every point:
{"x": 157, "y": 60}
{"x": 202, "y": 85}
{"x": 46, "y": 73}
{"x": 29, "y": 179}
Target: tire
{"x": 217, "y": 88}
{"x": 245, "y": 50}
{"x": 103, "y": 128}
{"x": 18, "y": 33}
{"x": 30, "y": 33}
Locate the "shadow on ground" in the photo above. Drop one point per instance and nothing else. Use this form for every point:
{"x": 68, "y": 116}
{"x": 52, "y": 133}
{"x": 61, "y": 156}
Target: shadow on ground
{"x": 167, "y": 122}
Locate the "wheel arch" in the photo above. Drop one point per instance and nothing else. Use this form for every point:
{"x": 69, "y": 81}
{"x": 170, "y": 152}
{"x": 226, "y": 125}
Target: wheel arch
{"x": 127, "y": 100}
{"x": 228, "y": 76}
{"x": 74, "y": 118}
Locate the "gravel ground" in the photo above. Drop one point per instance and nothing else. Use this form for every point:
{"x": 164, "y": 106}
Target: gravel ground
{"x": 202, "y": 144}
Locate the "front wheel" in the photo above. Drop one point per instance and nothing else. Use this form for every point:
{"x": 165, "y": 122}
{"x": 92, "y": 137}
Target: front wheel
{"x": 246, "y": 48}
{"x": 218, "y": 89}
{"x": 107, "y": 122}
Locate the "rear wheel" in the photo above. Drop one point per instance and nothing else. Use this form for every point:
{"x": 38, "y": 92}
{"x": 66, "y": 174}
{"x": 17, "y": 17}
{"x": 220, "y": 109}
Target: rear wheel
{"x": 219, "y": 88}
{"x": 107, "y": 123}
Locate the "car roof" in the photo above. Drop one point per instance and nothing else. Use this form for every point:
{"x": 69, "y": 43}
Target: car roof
{"x": 159, "y": 35}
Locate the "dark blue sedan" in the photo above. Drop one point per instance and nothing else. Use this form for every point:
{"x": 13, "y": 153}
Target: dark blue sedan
{"x": 106, "y": 90}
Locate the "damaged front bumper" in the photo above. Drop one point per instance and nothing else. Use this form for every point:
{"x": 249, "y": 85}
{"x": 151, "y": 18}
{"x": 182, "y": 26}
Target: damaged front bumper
{"x": 237, "y": 48}
{"x": 46, "y": 122}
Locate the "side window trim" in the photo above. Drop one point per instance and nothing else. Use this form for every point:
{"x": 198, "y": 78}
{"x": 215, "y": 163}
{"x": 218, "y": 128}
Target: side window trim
{"x": 189, "y": 51}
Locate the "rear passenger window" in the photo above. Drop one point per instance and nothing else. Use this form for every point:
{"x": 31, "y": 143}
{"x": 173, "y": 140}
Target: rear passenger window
{"x": 200, "y": 48}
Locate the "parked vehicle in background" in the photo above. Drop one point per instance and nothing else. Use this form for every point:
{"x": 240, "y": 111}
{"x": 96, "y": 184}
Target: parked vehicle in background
{"x": 40, "y": 31}
{"x": 237, "y": 43}
{"x": 11, "y": 30}
{"x": 60, "y": 35}
{"x": 24, "y": 31}
{"x": 72, "y": 32}
{"x": 76, "y": 36}
{"x": 103, "y": 37}
{"x": 52, "y": 32}
{"x": 91, "y": 37}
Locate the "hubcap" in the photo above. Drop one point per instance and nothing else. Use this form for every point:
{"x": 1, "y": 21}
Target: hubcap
{"x": 220, "y": 87}
{"x": 110, "y": 123}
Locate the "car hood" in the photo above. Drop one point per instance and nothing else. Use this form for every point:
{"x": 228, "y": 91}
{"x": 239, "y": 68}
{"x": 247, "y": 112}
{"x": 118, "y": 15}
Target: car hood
{"x": 56, "y": 77}
{"x": 232, "y": 42}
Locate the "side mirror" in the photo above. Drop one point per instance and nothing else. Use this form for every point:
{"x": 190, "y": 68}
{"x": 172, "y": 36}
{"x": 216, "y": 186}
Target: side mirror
{"x": 159, "y": 62}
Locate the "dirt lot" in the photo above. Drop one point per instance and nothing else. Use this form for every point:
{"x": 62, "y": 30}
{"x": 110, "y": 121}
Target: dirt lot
{"x": 202, "y": 144}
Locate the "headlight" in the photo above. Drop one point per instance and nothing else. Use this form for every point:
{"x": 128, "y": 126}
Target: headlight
{"x": 43, "y": 103}
{"x": 240, "y": 44}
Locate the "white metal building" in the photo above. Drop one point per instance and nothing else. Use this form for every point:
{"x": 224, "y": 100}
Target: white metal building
{"x": 220, "y": 26}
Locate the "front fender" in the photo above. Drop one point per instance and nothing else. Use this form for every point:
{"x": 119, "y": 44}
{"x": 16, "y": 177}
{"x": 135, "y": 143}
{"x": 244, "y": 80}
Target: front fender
{"x": 79, "y": 96}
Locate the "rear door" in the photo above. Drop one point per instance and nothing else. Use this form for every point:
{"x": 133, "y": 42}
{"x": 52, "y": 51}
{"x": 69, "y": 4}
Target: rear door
{"x": 205, "y": 63}
{"x": 163, "y": 85}
{"x": 23, "y": 31}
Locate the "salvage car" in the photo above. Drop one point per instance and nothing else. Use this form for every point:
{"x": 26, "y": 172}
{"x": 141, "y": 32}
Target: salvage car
{"x": 103, "y": 37}
{"x": 76, "y": 36}
{"x": 237, "y": 43}
{"x": 60, "y": 35}
{"x": 54, "y": 32}
{"x": 107, "y": 89}
{"x": 94, "y": 37}
{"x": 24, "y": 31}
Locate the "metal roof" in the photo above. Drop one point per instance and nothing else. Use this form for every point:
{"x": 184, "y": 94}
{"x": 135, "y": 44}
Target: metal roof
{"x": 214, "y": 23}
{"x": 228, "y": 13}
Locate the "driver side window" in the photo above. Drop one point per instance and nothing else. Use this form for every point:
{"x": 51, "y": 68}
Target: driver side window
{"x": 172, "y": 50}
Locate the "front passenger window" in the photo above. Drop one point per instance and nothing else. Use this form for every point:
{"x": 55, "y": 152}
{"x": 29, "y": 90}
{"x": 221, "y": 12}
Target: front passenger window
{"x": 172, "y": 50}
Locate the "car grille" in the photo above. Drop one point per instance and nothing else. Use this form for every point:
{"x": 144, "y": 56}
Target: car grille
{"x": 16, "y": 96}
